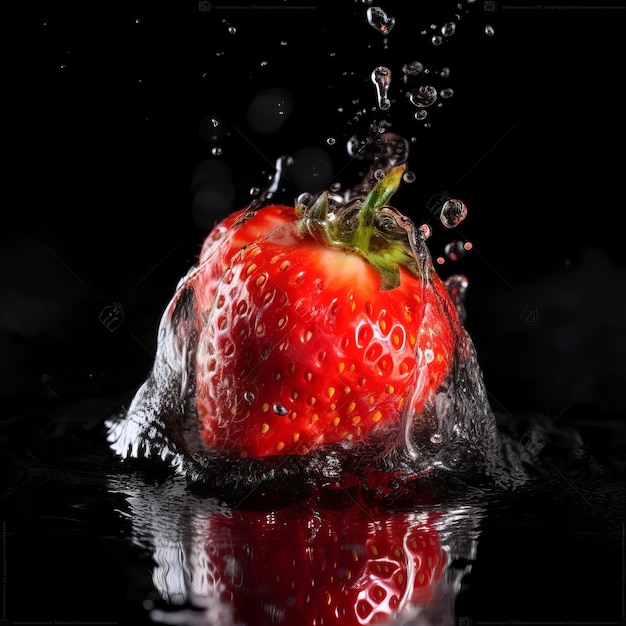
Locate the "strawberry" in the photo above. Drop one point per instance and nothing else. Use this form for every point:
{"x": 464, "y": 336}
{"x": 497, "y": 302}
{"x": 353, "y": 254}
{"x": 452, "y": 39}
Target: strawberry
{"x": 306, "y": 564}
{"x": 306, "y": 331}
{"x": 317, "y": 326}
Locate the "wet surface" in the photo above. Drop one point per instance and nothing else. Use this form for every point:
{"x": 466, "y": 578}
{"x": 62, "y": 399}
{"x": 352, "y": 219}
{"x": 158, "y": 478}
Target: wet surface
{"x": 115, "y": 115}
{"x": 87, "y": 541}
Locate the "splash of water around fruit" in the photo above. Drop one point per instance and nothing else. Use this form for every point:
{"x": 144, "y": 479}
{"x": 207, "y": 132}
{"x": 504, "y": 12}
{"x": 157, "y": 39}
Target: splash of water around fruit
{"x": 412, "y": 400}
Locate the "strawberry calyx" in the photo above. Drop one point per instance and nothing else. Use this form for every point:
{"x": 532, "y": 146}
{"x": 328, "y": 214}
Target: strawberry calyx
{"x": 367, "y": 226}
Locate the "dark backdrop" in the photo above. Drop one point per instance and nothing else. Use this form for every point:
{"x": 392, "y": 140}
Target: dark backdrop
{"x": 114, "y": 107}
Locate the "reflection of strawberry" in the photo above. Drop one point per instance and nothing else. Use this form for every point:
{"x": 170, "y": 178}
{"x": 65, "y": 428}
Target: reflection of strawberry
{"x": 307, "y": 566}
{"x": 315, "y": 324}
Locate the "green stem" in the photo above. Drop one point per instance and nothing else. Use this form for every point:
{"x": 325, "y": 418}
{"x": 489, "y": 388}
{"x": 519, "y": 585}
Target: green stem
{"x": 380, "y": 194}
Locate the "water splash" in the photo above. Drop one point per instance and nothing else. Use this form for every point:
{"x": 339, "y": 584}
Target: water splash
{"x": 457, "y": 286}
{"x": 282, "y": 163}
{"x": 384, "y": 150}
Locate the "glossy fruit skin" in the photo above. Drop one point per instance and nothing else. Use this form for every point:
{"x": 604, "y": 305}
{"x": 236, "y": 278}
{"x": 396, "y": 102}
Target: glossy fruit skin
{"x": 299, "y": 347}
{"x": 313, "y": 344}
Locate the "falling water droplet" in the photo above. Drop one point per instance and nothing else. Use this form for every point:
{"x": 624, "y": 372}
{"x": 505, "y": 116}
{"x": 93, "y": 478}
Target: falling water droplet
{"x": 379, "y": 174}
{"x": 436, "y": 40}
{"x": 455, "y": 250}
{"x": 423, "y": 96}
{"x": 420, "y": 115}
{"x": 436, "y": 438}
{"x": 446, "y": 93}
{"x": 379, "y": 20}
{"x": 413, "y": 69}
{"x": 453, "y": 213}
{"x": 248, "y": 396}
{"x": 489, "y": 30}
{"x": 448, "y": 29}
{"x": 445, "y": 72}
{"x": 381, "y": 77}
{"x": 232, "y": 30}
{"x": 408, "y": 177}
{"x": 216, "y": 151}
{"x": 330, "y": 141}
{"x": 279, "y": 409}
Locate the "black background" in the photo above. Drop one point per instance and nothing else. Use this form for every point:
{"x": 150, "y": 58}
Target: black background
{"x": 108, "y": 110}
{"x": 105, "y": 111}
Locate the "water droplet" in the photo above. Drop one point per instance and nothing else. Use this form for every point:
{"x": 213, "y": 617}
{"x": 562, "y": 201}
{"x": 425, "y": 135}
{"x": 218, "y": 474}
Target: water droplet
{"x": 453, "y": 213}
{"x": 448, "y": 29}
{"x": 455, "y": 250}
{"x": 305, "y": 198}
{"x": 445, "y": 72}
{"x": 381, "y": 77}
{"x": 216, "y": 151}
{"x": 413, "y": 69}
{"x": 231, "y": 29}
{"x": 423, "y": 96}
{"x": 426, "y": 231}
{"x": 489, "y": 30}
{"x": 436, "y": 438}
{"x": 379, "y": 20}
{"x": 330, "y": 141}
{"x": 436, "y": 40}
{"x": 429, "y": 355}
{"x": 420, "y": 115}
{"x": 248, "y": 396}
{"x": 279, "y": 409}
{"x": 379, "y": 174}
{"x": 408, "y": 177}
{"x": 447, "y": 92}
{"x": 254, "y": 191}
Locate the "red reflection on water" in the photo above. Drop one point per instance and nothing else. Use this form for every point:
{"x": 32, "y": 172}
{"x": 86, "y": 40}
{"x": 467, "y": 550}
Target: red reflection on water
{"x": 307, "y": 564}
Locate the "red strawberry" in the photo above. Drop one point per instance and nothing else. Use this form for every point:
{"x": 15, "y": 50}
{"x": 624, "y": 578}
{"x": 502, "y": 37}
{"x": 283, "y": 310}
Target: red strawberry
{"x": 306, "y": 332}
{"x": 317, "y": 325}
{"x": 305, "y": 564}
